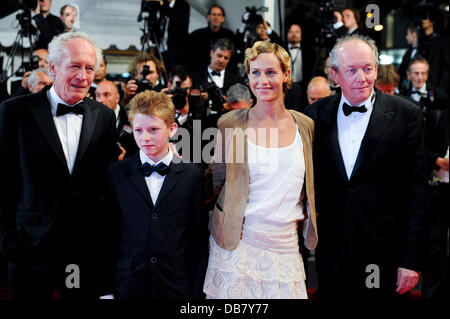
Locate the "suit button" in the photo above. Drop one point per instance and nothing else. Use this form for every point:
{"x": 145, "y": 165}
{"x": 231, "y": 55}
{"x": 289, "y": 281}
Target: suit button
{"x": 153, "y": 260}
{"x": 154, "y": 216}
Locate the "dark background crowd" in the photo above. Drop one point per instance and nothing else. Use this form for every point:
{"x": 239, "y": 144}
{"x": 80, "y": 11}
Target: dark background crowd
{"x": 202, "y": 72}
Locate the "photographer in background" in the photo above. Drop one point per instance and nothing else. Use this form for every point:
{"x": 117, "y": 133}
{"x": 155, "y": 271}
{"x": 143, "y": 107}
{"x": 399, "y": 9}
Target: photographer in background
{"x": 68, "y": 15}
{"x": 38, "y": 79}
{"x": 146, "y": 70}
{"x": 215, "y": 79}
{"x": 239, "y": 97}
{"x": 107, "y": 93}
{"x": 255, "y": 28}
{"x": 48, "y": 25}
{"x": 352, "y": 22}
{"x": 186, "y": 110}
{"x": 38, "y": 60}
{"x": 202, "y": 40}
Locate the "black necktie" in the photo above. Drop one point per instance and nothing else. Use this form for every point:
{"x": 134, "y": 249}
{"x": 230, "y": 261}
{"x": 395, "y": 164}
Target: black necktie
{"x": 348, "y": 109}
{"x": 161, "y": 168}
{"x": 215, "y": 73}
{"x": 64, "y": 109}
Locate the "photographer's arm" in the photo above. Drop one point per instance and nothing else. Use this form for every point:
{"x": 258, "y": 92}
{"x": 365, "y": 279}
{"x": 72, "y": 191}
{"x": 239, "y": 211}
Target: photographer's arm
{"x": 130, "y": 91}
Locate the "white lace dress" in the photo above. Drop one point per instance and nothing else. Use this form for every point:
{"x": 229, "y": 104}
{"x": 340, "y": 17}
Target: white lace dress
{"x": 266, "y": 264}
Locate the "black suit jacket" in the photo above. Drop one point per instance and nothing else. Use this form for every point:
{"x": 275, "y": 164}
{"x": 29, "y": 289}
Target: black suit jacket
{"x": 438, "y": 58}
{"x": 162, "y": 248}
{"x": 201, "y": 42}
{"x": 124, "y": 134}
{"x": 48, "y": 27}
{"x": 376, "y": 216}
{"x": 201, "y": 77}
{"x": 406, "y": 59}
{"x": 45, "y": 212}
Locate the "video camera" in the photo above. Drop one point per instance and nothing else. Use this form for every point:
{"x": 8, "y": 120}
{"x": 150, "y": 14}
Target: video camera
{"x": 24, "y": 17}
{"x": 28, "y": 4}
{"x": 179, "y": 95}
{"x": 252, "y": 18}
{"x": 144, "y": 84}
{"x": 214, "y": 95}
{"x": 31, "y": 65}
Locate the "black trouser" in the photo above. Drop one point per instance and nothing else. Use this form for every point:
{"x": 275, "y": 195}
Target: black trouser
{"x": 37, "y": 279}
{"x": 435, "y": 275}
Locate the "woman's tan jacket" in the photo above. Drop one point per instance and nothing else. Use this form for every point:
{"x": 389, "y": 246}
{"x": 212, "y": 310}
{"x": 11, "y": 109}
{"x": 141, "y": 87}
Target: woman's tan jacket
{"x": 228, "y": 176}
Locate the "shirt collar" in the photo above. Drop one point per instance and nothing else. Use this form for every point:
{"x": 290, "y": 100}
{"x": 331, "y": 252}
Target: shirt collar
{"x": 367, "y": 103}
{"x": 54, "y": 99}
{"x": 117, "y": 110}
{"x": 423, "y": 89}
{"x": 290, "y": 46}
{"x": 166, "y": 159}
{"x": 211, "y": 70}
{"x": 351, "y": 31}
{"x": 172, "y": 3}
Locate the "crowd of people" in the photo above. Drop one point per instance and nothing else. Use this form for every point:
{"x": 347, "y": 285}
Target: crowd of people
{"x": 194, "y": 179}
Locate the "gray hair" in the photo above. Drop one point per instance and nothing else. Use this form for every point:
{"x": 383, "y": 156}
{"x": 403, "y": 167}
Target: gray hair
{"x": 34, "y": 76}
{"x": 238, "y": 92}
{"x": 57, "y": 49}
{"x": 334, "y": 61}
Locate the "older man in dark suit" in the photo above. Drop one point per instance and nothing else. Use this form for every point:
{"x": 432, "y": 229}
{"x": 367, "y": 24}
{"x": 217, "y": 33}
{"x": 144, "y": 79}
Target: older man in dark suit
{"x": 370, "y": 173}
{"x": 55, "y": 149}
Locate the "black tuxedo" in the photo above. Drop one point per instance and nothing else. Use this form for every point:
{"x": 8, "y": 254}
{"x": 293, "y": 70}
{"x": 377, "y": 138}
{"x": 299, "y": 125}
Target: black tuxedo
{"x": 377, "y": 216}
{"x": 49, "y": 218}
{"x": 406, "y": 60}
{"x": 201, "y": 77}
{"x": 162, "y": 248}
{"x": 438, "y": 58}
{"x": 296, "y": 98}
{"x": 201, "y": 42}
{"x": 124, "y": 134}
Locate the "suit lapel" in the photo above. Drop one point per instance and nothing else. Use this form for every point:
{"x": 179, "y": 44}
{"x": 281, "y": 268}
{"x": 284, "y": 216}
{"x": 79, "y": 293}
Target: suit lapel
{"x": 380, "y": 117}
{"x": 170, "y": 181}
{"x": 137, "y": 179}
{"x": 87, "y": 128}
{"x": 329, "y": 116}
{"x": 43, "y": 116}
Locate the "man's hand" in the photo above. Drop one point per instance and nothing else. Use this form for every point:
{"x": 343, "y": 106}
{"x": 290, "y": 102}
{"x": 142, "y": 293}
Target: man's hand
{"x": 266, "y": 26}
{"x": 38, "y": 8}
{"x": 27, "y": 75}
{"x": 442, "y": 163}
{"x": 122, "y": 154}
{"x": 337, "y": 16}
{"x": 165, "y": 90}
{"x": 406, "y": 280}
{"x": 131, "y": 88}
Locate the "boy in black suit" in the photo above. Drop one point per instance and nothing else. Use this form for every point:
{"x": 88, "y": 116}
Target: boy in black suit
{"x": 158, "y": 204}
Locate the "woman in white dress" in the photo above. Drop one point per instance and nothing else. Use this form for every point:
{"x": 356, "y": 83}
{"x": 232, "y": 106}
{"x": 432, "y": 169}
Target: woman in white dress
{"x": 262, "y": 172}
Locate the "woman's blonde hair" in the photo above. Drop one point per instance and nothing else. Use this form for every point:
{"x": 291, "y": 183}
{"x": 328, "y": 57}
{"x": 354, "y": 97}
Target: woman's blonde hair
{"x": 269, "y": 47}
{"x": 152, "y": 103}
